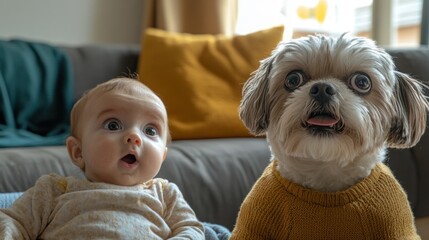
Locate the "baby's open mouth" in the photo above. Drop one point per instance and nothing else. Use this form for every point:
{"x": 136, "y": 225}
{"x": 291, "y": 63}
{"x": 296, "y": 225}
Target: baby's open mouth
{"x": 129, "y": 158}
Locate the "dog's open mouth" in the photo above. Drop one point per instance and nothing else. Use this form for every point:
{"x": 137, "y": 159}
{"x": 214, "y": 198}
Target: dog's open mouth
{"x": 129, "y": 159}
{"x": 322, "y": 120}
{"x": 322, "y": 123}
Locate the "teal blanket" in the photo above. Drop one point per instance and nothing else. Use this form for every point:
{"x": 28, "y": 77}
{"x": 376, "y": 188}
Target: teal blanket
{"x": 36, "y": 94}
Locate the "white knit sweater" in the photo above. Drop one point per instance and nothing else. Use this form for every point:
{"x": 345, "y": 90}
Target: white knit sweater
{"x": 70, "y": 208}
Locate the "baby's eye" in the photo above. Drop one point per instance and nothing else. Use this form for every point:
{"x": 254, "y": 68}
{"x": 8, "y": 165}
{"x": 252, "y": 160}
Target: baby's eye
{"x": 150, "y": 131}
{"x": 112, "y": 125}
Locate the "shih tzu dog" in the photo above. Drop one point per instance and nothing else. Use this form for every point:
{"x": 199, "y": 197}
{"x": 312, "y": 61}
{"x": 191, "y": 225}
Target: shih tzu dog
{"x": 330, "y": 107}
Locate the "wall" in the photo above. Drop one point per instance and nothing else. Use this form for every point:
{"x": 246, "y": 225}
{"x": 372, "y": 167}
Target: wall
{"x": 72, "y": 22}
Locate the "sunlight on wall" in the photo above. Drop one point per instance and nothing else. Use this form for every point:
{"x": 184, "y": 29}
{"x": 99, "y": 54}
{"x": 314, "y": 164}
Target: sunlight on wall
{"x": 254, "y": 15}
{"x": 299, "y": 16}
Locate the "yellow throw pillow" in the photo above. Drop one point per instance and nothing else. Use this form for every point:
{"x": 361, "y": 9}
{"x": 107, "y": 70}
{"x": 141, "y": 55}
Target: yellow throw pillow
{"x": 200, "y": 78}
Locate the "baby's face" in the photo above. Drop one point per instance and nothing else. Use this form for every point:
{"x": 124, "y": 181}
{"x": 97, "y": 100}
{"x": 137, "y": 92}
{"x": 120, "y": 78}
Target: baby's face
{"x": 123, "y": 138}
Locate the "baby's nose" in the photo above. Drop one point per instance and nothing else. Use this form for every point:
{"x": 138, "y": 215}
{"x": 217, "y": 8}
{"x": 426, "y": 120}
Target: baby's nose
{"x": 134, "y": 138}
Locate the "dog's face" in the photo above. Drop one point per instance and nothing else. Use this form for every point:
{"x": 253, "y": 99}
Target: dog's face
{"x": 328, "y": 99}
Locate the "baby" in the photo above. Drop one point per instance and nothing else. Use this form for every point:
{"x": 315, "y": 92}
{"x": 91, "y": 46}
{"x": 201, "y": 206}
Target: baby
{"x": 119, "y": 133}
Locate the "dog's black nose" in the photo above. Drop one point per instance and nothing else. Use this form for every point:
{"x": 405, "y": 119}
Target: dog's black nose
{"x": 322, "y": 92}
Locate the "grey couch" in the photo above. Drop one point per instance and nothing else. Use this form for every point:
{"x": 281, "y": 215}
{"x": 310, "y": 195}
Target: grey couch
{"x": 214, "y": 174}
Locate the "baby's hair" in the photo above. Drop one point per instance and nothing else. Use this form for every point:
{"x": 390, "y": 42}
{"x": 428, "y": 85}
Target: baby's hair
{"x": 123, "y": 84}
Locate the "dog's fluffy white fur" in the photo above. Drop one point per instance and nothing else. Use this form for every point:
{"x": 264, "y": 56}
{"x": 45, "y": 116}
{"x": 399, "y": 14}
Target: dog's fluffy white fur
{"x": 330, "y": 107}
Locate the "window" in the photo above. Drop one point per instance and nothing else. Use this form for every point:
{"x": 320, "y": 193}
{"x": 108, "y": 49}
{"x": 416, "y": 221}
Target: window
{"x": 333, "y": 17}
{"x": 406, "y": 22}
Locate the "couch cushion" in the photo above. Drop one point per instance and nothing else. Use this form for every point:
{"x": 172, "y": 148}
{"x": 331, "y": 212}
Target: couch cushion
{"x": 200, "y": 78}
{"x": 21, "y": 167}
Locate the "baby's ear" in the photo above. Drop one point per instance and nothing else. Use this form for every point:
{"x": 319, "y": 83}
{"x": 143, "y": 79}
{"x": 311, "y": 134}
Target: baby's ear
{"x": 411, "y": 108}
{"x": 74, "y": 148}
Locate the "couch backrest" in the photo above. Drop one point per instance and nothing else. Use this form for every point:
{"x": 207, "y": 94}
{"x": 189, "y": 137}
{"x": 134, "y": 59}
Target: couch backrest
{"x": 411, "y": 166}
{"x": 96, "y": 64}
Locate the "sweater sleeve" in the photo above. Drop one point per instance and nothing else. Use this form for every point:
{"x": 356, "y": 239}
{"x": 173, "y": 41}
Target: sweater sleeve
{"x": 179, "y": 216}
{"x": 29, "y": 215}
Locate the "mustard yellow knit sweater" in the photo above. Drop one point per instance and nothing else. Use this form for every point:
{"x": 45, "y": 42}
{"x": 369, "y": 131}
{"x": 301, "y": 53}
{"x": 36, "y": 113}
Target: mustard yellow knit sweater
{"x": 375, "y": 208}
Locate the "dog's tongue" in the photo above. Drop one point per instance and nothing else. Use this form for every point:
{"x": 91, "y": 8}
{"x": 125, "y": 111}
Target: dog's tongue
{"x": 322, "y": 120}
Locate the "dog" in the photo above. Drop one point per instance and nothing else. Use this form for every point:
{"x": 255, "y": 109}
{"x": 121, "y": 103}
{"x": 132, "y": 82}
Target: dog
{"x": 330, "y": 108}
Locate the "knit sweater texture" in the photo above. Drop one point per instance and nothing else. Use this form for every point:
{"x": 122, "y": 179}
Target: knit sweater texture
{"x": 375, "y": 208}
{"x": 70, "y": 208}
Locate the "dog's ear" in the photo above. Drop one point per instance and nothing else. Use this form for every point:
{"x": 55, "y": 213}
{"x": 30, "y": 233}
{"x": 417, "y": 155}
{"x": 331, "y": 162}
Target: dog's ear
{"x": 254, "y": 107}
{"x": 411, "y": 108}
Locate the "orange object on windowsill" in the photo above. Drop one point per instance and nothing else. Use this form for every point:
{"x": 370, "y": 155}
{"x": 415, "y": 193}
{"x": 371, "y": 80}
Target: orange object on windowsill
{"x": 317, "y": 12}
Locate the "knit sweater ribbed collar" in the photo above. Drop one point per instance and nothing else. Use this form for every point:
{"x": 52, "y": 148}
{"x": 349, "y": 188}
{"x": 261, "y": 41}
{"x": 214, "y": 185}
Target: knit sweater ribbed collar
{"x": 330, "y": 199}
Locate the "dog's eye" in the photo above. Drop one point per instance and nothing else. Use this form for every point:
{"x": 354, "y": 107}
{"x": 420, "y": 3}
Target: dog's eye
{"x": 294, "y": 80}
{"x": 360, "y": 83}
